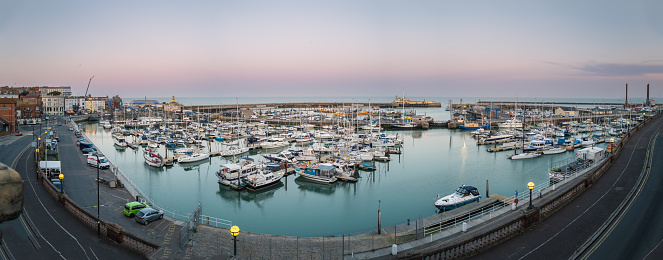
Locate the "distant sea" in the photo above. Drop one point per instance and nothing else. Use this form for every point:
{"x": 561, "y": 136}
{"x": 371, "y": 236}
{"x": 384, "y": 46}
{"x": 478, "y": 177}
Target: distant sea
{"x": 190, "y": 101}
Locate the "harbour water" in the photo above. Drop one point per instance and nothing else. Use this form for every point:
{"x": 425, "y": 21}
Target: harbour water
{"x": 433, "y": 162}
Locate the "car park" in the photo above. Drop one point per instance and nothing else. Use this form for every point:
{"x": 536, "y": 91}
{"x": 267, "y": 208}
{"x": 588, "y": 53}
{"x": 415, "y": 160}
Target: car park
{"x": 131, "y": 208}
{"x": 97, "y": 160}
{"x": 147, "y": 215}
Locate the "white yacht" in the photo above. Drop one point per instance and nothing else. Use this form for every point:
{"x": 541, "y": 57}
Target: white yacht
{"x": 511, "y": 123}
{"x": 525, "y": 156}
{"x": 118, "y": 140}
{"x": 463, "y": 195}
{"x": 262, "y": 179}
{"x": 192, "y": 157}
{"x": 274, "y": 143}
{"x": 234, "y": 150}
{"x": 324, "y": 173}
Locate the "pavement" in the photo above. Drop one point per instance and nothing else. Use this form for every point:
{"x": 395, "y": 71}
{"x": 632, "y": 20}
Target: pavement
{"x": 561, "y": 234}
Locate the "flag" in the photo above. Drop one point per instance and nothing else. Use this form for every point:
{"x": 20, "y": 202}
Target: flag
{"x": 516, "y": 193}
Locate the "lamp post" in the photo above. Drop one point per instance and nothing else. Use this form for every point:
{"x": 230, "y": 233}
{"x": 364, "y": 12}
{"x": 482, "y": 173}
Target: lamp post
{"x": 530, "y": 186}
{"x": 98, "y": 216}
{"x": 234, "y": 230}
{"x": 61, "y": 176}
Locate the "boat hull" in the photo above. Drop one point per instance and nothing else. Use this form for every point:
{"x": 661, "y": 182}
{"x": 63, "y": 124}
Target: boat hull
{"x": 457, "y": 205}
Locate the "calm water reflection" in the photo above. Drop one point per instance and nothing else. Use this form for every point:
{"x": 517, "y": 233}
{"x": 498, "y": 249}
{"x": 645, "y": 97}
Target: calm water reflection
{"x": 433, "y": 162}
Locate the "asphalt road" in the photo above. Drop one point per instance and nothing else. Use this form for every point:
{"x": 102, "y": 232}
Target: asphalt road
{"x": 46, "y": 230}
{"x": 560, "y": 235}
{"x": 638, "y": 232}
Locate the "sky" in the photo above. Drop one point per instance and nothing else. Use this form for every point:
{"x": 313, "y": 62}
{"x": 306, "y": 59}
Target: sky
{"x": 578, "y": 49}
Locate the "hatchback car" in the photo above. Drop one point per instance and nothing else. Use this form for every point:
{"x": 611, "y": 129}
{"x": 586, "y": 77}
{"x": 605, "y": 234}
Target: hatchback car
{"x": 131, "y": 208}
{"x": 145, "y": 216}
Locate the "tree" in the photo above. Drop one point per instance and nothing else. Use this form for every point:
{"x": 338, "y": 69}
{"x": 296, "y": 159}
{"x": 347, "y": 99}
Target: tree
{"x": 55, "y": 93}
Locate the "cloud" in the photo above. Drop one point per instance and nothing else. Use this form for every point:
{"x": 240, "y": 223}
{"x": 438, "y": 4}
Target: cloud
{"x": 622, "y": 69}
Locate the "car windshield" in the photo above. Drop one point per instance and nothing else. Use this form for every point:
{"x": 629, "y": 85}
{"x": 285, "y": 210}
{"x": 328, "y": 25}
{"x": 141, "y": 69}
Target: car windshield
{"x": 140, "y": 213}
{"x": 103, "y": 160}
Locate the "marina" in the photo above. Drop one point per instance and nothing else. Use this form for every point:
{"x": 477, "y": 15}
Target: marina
{"x": 445, "y": 158}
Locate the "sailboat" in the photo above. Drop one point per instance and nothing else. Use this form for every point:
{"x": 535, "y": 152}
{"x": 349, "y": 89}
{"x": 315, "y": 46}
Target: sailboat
{"x": 404, "y": 125}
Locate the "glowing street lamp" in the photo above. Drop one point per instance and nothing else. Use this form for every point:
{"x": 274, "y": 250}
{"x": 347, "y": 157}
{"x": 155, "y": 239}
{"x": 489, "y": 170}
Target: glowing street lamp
{"x": 530, "y": 186}
{"x": 61, "y": 176}
{"x": 234, "y": 230}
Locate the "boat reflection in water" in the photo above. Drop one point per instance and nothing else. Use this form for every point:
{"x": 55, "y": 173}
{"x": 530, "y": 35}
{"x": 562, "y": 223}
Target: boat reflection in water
{"x": 190, "y": 166}
{"x": 238, "y": 196}
{"x": 321, "y": 188}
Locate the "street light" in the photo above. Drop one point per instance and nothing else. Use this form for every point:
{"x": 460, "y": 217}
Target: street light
{"x": 98, "y": 216}
{"x": 530, "y": 186}
{"x": 234, "y": 230}
{"x": 61, "y": 176}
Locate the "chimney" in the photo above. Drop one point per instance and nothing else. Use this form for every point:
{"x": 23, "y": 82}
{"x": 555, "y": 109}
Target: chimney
{"x": 647, "y": 94}
{"x": 626, "y": 103}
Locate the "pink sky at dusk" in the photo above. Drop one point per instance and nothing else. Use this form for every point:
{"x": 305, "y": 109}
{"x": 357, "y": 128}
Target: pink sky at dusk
{"x": 348, "y": 48}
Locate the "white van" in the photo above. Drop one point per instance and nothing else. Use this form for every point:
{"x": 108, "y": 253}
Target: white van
{"x": 92, "y": 161}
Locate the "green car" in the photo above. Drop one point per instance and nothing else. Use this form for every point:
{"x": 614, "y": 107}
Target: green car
{"x": 133, "y": 207}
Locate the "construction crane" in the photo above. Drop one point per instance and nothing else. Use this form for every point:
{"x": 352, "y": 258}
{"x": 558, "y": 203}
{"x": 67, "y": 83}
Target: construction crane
{"x": 88, "y": 85}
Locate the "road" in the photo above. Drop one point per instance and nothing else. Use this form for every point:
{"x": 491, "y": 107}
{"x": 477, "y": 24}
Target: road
{"x": 560, "y": 235}
{"x": 46, "y": 230}
{"x": 637, "y": 233}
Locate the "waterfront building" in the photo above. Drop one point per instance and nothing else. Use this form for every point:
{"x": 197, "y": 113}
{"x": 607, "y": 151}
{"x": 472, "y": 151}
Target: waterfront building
{"x": 566, "y": 112}
{"x": 52, "y": 105}
{"x": 29, "y": 109}
{"x": 143, "y": 103}
{"x": 63, "y": 90}
{"x": 96, "y": 104}
{"x": 400, "y": 102}
{"x": 8, "y": 122}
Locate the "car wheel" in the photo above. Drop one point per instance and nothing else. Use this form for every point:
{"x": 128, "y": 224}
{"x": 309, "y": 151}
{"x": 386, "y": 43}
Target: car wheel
{"x": 146, "y": 221}
{"x": 131, "y": 215}
{"x": 160, "y": 217}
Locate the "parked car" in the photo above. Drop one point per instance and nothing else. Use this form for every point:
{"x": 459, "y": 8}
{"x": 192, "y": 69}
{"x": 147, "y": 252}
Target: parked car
{"x": 145, "y": 216}
{"x": 102, "y": 163}
{"x": 131, "y": 208}
{"x": 71, "y": 128}
{"x": 90, "y": 150}
{"x": 18, "y": 134}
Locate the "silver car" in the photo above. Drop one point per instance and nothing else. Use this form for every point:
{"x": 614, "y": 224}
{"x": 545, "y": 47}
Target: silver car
{"x": 147, "y": 215}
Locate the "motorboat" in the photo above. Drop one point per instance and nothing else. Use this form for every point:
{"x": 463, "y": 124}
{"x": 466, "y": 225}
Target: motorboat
{"x": 554, "y": 150}
{"x": 511, "y": 123}
{"x": 324, "y": 173}
{"x": 153, "y": 159}
{"x": 274, "y": 143}
{"x": 192, "y": 157}
{"x": 119, "y": 141}
{"x": 234, "y": 150}
{"x": 262, "y": 179}
{"x": 233, "y": 171}
{"x": 525, "y": 156}
{"x": 462, "y": 196}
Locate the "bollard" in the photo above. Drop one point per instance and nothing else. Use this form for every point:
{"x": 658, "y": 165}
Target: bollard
{"x": 464, "y": 228}
{"x": 513, "y": 206}
{"x": 394, "y": 249}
